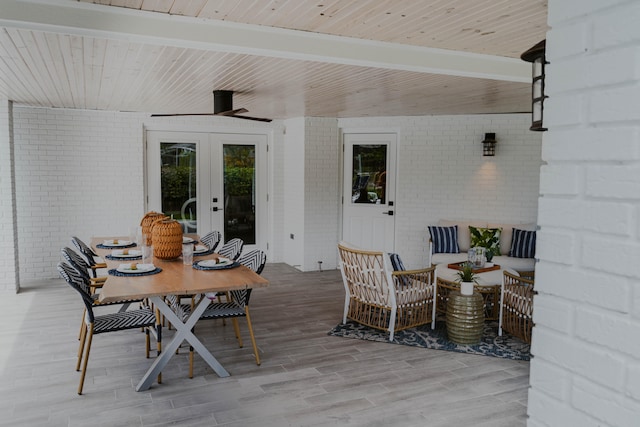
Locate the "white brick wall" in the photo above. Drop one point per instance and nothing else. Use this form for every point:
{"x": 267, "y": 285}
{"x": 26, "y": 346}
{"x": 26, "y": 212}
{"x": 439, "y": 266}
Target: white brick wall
{"x": 9, "y": 275}
{"x": 293, "y": 190}
{"x": 443, "y": 175}
{"x": 586, "y": 369}
{"x": 311, "y": 188}
{"x": 322, "y": 190}
{"x": 77, "y": 173}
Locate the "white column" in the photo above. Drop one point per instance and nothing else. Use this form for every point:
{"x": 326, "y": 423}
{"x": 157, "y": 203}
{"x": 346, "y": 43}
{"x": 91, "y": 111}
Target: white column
{"x": 586, "y": 339}
{"x": 9, "y": 274}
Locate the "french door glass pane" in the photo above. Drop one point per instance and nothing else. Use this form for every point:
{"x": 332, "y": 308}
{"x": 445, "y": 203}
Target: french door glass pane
{"x": 178, "y": 183}
{"x": 369, "y": 174}
{"x": 239, "y": 192}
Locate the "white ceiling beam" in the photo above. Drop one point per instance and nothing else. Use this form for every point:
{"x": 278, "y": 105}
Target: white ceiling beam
{"x": 80, "y": 18}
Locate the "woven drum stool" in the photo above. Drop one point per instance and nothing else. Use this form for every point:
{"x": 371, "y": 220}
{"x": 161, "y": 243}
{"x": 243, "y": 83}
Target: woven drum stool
{"x": 465, "y": 318}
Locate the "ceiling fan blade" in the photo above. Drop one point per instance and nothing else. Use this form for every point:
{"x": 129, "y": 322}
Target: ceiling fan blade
{"x": 183, "y": 114}
{"x": 232, "y": 112}
{"x": 257, "y": 119}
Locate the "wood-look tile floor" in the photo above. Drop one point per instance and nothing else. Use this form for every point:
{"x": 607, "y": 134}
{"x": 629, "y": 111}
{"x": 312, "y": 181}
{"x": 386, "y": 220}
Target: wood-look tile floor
{"x": 307, "y": 378}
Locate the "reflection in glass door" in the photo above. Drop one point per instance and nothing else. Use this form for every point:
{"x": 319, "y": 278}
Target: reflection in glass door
{"x": 369, "y": 174}
{"x": 240, "y": 192}
{"x": 178, "y": 183}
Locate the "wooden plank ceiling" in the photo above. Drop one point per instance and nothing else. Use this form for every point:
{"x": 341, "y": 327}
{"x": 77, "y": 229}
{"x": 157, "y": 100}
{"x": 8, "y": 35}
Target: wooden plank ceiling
{"x": 49, "y": 67}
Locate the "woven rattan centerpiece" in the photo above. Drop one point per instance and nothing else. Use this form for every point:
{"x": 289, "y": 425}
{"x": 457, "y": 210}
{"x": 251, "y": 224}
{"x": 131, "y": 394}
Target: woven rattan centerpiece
{"x": 167, "y": 238}
{"x": 147, "y": 222}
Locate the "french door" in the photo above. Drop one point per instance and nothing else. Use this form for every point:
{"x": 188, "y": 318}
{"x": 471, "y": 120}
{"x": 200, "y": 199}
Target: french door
{"x": 210, "y": 181}
{"x": 368, "y": 219}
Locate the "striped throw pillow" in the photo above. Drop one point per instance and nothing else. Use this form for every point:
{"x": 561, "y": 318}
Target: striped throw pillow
{"x": 444, "y": 239}
{"x": 396, "y": 262}
{"x": 523, "y": 244}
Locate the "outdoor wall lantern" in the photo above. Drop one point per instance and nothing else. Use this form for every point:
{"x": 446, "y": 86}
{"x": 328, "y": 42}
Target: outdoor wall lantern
{"x": 535, "y": 55}
{"x": 489, "y": 144}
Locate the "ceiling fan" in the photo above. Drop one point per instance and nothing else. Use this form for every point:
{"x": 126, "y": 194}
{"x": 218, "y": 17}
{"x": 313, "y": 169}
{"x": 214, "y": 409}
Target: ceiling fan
{"x": 222, "y": 106}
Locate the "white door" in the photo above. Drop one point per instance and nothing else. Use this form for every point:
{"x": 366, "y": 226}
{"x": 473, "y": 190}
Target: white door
{"x": 210, "y": 181}
{"x": 368, "y": 219}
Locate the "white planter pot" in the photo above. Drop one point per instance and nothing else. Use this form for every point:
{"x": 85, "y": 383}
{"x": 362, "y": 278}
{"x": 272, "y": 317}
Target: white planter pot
{"x": 466, "y": 288}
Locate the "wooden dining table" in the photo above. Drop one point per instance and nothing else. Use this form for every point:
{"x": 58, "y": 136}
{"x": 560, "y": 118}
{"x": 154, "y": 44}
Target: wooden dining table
{"x": 176, "y": 278}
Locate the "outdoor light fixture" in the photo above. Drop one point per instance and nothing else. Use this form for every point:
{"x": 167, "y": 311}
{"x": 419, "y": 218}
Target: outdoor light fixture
{"x": 489, "y": 144}
{"x": 535, "y": 55}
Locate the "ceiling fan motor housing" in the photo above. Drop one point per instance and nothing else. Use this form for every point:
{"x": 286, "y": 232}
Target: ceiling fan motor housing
{"x": 222, "y": 101}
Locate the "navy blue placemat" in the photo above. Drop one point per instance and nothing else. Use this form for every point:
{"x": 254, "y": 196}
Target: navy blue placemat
{"x": 114, "y": 272}
{"x": 222, "y": 267}
{"x": 102, "y": 246}
{"x": 118, "y": 258}
{"x": 209, "y": 252}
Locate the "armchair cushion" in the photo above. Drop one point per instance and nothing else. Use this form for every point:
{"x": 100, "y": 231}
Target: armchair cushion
{"x": 444, "y": 239}
{"x": 486, "y": 237}
{"x": 523, "y": 244}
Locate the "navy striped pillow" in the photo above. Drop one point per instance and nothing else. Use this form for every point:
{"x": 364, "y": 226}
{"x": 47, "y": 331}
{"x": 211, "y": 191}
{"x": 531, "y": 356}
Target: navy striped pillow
{"x": 444, "y": 239}
{"x": 396, "y": 262}
{"x": 523, "y": 244}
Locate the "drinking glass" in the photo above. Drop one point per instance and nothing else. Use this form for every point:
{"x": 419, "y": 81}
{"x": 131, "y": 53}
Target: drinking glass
{"x": 187, "y": 254}
{"x": 147, "y": 254}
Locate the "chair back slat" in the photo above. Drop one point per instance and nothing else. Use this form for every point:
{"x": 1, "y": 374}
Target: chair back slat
{"x": 211, "y": 239}
{"x": 366, "y": 275}
{"x": 85, "y": 250}
{"x": 77, "y": 262}
{"x": 75, "y": 280}
{"x": 232, "y": 249}
{"x": 254, "y": 260}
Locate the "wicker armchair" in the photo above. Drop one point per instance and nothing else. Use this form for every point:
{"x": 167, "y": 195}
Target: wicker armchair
{"x": 384, "y": 299}
{"x": 516, "y": 306}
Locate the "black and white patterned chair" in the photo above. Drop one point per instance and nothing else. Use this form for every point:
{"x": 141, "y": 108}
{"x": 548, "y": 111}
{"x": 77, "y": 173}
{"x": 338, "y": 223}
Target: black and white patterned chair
{"x": 232, "y": 249}
{"x": 143, "y": 317}
{"x": 83, "y": 267}
{"x": 78, "y": 264}
{"x": 254, "y": 260}
{"x": 211, "y": 240}
{"x": 95, "y": 262}
{"x": 236, "y": 305}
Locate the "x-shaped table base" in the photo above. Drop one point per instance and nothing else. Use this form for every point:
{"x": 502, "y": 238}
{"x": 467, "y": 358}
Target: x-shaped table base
{"x": 183, "y": 332}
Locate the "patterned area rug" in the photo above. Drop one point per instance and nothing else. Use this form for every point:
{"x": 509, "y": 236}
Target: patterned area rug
{"x": 506, "y": 346}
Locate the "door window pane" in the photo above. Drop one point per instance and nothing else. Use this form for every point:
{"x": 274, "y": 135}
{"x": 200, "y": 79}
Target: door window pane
{"x": 239, "y": 193}
{"x": 178, "y": 183}
{"x": 369, "y": 174}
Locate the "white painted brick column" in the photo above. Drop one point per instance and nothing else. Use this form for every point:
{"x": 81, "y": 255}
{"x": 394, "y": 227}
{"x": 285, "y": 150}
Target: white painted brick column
{"x": 586, "y": 342}
{"x": 9, "y": 276}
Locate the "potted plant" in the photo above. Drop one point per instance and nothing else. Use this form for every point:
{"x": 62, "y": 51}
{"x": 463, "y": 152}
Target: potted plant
{"x": 489, "y": 254}
{"x": 467, "y": 278}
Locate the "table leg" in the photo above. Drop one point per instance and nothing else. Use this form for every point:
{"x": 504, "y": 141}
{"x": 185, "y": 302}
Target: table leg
{"x": 183, "y": 332}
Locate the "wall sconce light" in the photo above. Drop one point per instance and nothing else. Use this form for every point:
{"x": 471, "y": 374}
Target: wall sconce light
{"x": 535, "y": 55}
{"x": 489, "y": 144}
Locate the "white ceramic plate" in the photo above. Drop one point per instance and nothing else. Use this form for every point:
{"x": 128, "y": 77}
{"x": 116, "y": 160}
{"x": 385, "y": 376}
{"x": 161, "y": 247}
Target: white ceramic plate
{"x": 200, "y": 249}
{"x": 120, "y": 243}
{"x": 186, "y": 239}
{"x": 140, "y": 268}
{"x": 132, "y": 253}
{"x": 222, "y": 261}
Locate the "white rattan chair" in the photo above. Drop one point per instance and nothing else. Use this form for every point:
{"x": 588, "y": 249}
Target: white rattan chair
{"x": 516, "y": 306}
{"x": 384, "y": 299}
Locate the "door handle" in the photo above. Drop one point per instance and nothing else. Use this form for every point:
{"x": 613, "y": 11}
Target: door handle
{"x": 388, "y": 213}
{"x": 215, "y": 209}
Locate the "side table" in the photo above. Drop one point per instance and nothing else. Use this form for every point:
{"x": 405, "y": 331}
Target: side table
{"x": 465, "y": 318}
